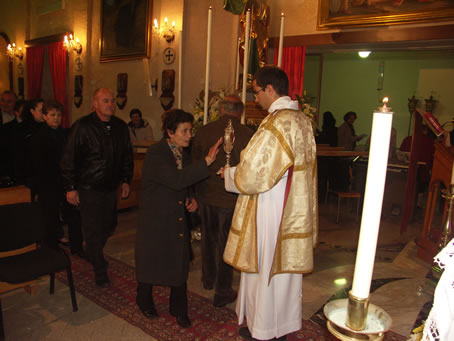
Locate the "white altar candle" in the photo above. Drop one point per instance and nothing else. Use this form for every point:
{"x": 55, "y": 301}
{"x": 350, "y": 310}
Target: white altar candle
{"x": 452, "y": 175}
{"x": 373, "y": 200}
{"x": 180, "y": 68}
{"x": 207, "y": 70}
{"x": 281, "y": 41}
{"x": 245, "y": 61}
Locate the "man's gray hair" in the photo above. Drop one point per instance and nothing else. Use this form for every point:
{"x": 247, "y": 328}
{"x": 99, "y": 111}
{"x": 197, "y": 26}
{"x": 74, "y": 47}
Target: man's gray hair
{"x": 231, "y": 107}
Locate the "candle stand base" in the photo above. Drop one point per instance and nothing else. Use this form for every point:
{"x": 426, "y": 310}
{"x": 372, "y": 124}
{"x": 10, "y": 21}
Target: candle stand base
{"x": 377, "y": 322}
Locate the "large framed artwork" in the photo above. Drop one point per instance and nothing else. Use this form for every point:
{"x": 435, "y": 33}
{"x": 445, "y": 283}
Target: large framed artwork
{"x": 125, "y": 29}
{"x": 360, "y": 13}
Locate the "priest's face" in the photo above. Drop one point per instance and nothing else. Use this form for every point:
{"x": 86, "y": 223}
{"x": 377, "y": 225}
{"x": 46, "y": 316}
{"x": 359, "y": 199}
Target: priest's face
{"x": 261, "y": 96}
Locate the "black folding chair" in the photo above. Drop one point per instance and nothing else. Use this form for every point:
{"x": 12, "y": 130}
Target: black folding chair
{"x": 21, "y": 226}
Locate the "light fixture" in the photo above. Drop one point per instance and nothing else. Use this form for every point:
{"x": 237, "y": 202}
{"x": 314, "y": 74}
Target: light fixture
{"x": 166, "y": 31}
{"x": 364, "y": 54}
{"x": 12, "y": 51}
{"x": 72, "y": 44}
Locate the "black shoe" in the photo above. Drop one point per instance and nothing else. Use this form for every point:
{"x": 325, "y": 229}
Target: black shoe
{"x": 103, "y": 283}
{"x": 102, "y": 280}
{"x": 183, "y": 321}
{"x": 207, "y": 285}
{"x": 150, "y": 313}
{"x": 222, "y": 301}
{"x": 245, "y": 334}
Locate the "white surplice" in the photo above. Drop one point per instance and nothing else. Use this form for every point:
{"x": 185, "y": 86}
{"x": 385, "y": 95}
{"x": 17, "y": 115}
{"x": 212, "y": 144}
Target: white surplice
{"x": 271, "y": 309}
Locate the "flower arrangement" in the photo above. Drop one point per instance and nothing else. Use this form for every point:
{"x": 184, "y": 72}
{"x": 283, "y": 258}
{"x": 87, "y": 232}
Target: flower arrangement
{"x": 308, "y": 110}
{"x": 214, "y": 97}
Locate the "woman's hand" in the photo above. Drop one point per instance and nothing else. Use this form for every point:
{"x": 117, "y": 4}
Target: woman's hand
{"x": 213, "y": 152}
{"x": 73, "y": 198}
{"x": 191, "y": 205}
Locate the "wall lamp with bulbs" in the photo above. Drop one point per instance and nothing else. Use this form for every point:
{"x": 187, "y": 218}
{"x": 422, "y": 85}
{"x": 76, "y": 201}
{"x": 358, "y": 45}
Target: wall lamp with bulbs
{"x": 13, "y": 51}
{"x": 166, "y": 31}
{"x": 72, "y": 44}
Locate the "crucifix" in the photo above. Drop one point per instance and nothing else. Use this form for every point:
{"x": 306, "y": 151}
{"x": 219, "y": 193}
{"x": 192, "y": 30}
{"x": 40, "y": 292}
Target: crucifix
{"x": 169, "y": 55}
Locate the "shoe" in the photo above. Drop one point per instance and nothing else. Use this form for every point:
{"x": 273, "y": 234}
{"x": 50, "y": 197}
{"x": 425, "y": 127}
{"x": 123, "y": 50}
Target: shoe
{"x": 207, "y": 285}
{"x": 222, "y": 301}
{"x": 245, "y": 334}
{"x": 150, "y": 313}
{"x": 103, "y": 283}
{"x": 183, "y": 321}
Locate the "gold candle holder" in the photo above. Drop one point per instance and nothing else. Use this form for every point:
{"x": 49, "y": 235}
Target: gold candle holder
{"x": 357, "y": 309}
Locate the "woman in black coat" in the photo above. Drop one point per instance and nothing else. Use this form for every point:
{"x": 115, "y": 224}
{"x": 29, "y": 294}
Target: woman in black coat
{"x": 163, "y": 236}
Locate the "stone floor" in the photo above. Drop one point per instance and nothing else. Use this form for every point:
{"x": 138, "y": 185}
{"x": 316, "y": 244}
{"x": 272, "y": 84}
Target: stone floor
{"x": 45, "y": 317}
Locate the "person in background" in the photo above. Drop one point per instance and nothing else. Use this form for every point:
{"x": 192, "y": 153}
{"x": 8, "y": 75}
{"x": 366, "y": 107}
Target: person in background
{"x": 7, "y": 101}
{"x": 216, "y": 205}
{"x": 139, "y": 129}
{"x": 47, "y": 148}
{"x": 33, "y": 120}
{"x": 97, "y": 160}
{"x": 275, "y": 223}
{"x": 346, "y": 136}
{"x": 17, "y": 142}
{"x": 163, "y": 237}
{"x": 328, "y": 135}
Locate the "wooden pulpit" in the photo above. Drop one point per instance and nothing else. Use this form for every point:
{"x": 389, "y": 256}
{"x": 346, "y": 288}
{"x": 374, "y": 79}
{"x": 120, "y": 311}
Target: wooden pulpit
{"x": 429, "y": 239}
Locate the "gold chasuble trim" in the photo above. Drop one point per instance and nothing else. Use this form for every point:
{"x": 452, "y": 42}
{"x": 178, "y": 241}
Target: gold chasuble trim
{"x": 269, "y": 126}
{"x": 242, "y": 232}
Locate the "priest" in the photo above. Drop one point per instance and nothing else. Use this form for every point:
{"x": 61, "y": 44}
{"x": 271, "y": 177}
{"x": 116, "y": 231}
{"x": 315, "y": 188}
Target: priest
{"x": 275, "y": 223}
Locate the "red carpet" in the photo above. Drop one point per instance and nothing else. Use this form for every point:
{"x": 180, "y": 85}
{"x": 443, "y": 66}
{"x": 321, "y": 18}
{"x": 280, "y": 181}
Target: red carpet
{"x": 208, "y": 322}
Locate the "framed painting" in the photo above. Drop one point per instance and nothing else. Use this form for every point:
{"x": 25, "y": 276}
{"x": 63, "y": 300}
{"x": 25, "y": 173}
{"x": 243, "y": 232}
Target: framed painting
{"x": 125, "y": 29}
{"x": 360, "y": 13}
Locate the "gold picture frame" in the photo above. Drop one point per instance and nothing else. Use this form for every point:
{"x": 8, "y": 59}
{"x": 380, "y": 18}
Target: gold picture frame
{"x": 125, "y": 30}
{"x": 364, "y": 13}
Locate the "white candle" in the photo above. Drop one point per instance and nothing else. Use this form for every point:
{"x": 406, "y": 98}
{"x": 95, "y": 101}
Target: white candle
{"x": 237, "y": 71}
{"x": 281, "y": 41}
{"x": 373, "y": 200}
{"x": 180, "y": 68}
{"x": 146, "y": 71}
{"x": 245, "y": 61}
{"x": 207, "y": 70}
{"x": 452, "y": 175}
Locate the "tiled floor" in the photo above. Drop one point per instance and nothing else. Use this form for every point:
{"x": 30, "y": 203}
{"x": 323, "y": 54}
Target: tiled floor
{"x": 45, "y": 317}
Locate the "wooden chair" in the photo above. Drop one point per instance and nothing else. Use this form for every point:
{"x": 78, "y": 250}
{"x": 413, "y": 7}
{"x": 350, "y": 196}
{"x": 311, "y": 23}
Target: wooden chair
{"x": 343, "y": 194}
{"x": 21, "y": 229}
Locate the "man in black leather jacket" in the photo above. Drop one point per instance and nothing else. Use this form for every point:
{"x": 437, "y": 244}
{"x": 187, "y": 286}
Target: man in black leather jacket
{"x": 97, "y": 159}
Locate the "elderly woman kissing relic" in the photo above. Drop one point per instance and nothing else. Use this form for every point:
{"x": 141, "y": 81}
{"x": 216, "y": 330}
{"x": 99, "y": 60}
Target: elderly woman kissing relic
{"x": 163, "y": 244}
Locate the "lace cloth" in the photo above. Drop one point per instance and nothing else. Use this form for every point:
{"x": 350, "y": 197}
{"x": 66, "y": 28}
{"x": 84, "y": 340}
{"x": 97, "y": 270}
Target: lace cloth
{"x": 439, "y": 325}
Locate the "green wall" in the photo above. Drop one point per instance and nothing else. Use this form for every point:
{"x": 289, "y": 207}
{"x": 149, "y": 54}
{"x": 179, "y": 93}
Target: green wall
{"x": 349, "y": 83}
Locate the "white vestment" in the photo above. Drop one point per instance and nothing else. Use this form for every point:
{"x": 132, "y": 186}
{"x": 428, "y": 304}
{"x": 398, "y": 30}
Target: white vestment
{"x": 272, "y": 309}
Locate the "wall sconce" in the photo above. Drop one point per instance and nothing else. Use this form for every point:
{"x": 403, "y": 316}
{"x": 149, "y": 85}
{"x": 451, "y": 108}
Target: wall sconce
{"x": 12, "y": 51}
{"x": 167, "y": 32}
{"x": 72, "y": 44}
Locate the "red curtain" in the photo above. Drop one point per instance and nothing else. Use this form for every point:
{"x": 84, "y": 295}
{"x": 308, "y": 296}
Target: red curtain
{"x": 35, "y": 57}
{"x": 293, "y": 64}
{"x": 57, "y": 63}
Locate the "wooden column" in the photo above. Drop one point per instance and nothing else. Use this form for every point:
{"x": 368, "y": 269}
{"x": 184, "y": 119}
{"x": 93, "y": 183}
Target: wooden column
{"x": 441, "y": 174}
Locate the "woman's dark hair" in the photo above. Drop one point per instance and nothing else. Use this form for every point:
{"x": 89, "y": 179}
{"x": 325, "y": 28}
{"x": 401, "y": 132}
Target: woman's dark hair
{"x": 347, "y": 115}
{"x": 274, "y": 76}
{"x": 328, "y": 120}
{"x": 171, "y": 119}
{"x": 135, "y": 111}
{"x": 52, "y": 104}
{"x": 31, "y": 104}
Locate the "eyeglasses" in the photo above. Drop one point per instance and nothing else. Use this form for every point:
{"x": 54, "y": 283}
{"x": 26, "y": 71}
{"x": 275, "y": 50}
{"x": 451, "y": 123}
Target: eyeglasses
{"x": 256, "y": 93}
